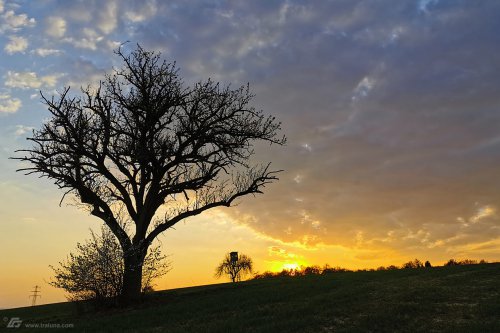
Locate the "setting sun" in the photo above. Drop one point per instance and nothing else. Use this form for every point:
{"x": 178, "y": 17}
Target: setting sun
{"x": 293, "y": 266}
{"x": 278, "y": 266}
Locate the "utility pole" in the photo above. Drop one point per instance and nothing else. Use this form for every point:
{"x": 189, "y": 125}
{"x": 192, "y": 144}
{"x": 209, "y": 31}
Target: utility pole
{"x": 35, "y": 294}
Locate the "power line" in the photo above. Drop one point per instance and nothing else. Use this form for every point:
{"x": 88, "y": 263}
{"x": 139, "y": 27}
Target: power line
{"x": 35, "y": 294}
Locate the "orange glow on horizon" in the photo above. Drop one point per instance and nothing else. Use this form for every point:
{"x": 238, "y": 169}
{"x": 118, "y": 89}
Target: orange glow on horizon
{"x": 278, "y": 266}
{"x": 293, "y": 266}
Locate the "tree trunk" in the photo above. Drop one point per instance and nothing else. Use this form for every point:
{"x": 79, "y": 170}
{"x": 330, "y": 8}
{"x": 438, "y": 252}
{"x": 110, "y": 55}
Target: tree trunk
{"x": 132, "y": 277}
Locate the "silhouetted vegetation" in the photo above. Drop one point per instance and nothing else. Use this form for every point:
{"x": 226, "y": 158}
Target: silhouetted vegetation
{"x": 312, "y": 270}
{"x": 327, "y": 269}
{"x": 95, "y": 271}
{"x": 141, "y": 140}
{"x": 309, "y": 270}
{"x": 453, "y": 262}
{"x": 413, "y": 264}
{"x": 234, "y": 269}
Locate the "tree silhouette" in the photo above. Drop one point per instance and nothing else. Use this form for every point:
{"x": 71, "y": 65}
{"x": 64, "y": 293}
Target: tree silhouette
{"x": 140, "y": 141}
{"x": 235, "y": 269}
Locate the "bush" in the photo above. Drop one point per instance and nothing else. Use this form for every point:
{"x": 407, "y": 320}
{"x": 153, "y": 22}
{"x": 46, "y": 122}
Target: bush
{"x": 327, "y": 269}
{"x": 392, "y": 267}
{"x": 452, "y": 262}
{"x": 311, "y": 270}
{"x": 95, "y": 271}
{"x": 468, "y": 262}
{"x": 413, "y": 264}
{"x": 265, "y": 275}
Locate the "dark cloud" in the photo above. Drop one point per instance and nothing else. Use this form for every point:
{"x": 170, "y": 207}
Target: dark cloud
{"x": 402, "y": 124}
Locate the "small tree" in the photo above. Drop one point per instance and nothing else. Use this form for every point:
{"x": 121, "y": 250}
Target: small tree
{"x": 235, "y": 269}
{"x": 95, "y": 270}
{"x": 428, "y": 264}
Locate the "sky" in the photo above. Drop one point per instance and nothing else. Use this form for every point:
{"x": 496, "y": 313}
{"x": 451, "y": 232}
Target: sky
{"x": 391, "y": 110}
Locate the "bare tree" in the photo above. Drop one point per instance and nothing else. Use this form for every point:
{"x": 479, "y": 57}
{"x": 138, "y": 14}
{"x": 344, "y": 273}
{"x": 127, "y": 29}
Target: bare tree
{"x": 235, "y": 269}
{"x": 95, "y": 270}
{"x": 140, "y": 141}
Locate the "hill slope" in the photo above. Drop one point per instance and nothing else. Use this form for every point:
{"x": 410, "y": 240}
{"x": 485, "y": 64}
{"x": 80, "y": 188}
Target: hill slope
{"x": 449, "y": 299}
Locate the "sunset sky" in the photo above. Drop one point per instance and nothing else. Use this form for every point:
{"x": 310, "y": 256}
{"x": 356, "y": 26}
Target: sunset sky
{"x": 391, "y": 109}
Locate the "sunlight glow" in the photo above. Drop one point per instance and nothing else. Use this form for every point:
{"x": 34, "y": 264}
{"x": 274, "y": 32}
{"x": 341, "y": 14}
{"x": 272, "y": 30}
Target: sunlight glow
{"x": 293, "y": 266}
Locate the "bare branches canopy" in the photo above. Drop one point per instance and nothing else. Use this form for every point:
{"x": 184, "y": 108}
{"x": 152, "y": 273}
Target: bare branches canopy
{"x": 142, "y": 139}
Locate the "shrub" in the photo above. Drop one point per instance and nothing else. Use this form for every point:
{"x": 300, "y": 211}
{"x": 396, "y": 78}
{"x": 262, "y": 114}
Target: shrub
{"x": 413, "y": 264}
{"x": 327, "y": 269}
{"x": 452, "y": 262}
{"x": 468, "y": 262}
{"x": 95, "y": 270}
{"x": 311, "y": 270}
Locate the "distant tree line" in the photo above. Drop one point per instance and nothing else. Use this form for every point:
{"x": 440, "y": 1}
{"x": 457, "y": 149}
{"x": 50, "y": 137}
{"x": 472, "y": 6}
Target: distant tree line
{"x": 327, "y": 269}
{"x": 453, "y": 262}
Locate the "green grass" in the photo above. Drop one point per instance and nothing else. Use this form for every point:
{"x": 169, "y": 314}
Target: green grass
{"x": 441, "y": 299}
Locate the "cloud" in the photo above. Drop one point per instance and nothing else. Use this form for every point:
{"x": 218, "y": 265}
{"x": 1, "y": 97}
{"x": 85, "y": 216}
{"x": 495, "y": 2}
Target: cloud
{"x": 88, "y": 39}
{"x": 482, "y": 213}
{"x": 363, "y": 88}
{"x": 55, "y": 26}
{"x": 8, "y": 104}
{"x": 42, "y": 52}
{"x": 21, "y": 129}
{"x": 16, "y": 44}
{"x": 140, "y": 11}
{"x": 277, "y": 251}
{"x": 1, "y": 6}
{"x": 11, "y": 22}
{"x": 394, "y": 161}
{"x": 107, "y": 17}
{"x": 82, "y": 71}
{"x": 29, "y": 80}
{"x": 424, "y": 4}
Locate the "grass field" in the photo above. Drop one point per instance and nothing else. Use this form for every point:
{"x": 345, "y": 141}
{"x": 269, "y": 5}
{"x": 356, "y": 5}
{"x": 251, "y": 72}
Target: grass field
{"x": 441, "y": 299}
